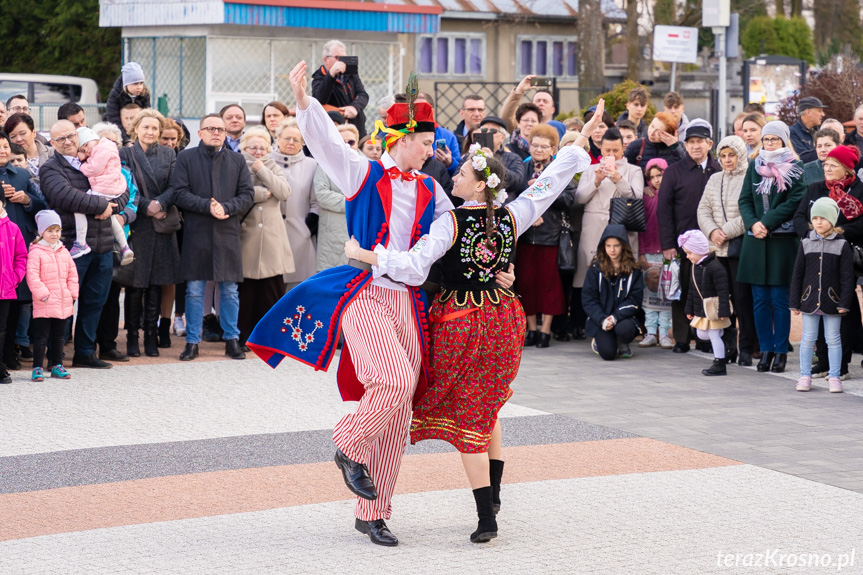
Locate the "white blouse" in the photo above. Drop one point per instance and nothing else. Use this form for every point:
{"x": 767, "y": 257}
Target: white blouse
{"x": 412, "y": 267}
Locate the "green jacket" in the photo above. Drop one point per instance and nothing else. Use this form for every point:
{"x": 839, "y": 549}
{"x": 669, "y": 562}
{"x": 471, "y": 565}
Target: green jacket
{"x": 769, "y": 261}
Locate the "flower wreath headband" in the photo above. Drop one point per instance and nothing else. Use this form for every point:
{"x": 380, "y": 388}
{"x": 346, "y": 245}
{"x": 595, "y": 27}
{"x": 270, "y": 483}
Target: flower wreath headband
{"x": 479, "y": 163}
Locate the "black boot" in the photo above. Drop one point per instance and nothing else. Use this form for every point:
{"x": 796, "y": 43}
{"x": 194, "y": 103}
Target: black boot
{"x": 4, "y": 374}
{"x": 544, "y": 340}
{"x": 718, "y": 368}
{"x": 233, "y": 349}
{"x": 495, "y": 472}
{"x": 766, "y": 361}
{"x": 486, "y": 529}
{"x": 132, "y": 349}
{"x": 779, "y": 363}
{"x": 151, "y": 347}
{"x": 745, "y": 359}
{"x": 165, "y": 332}
{"x": 578, "y": 333}
{"x": 212, "y": 330}
{"x": 190, "y": 352}
{"x": 531, "y": 338}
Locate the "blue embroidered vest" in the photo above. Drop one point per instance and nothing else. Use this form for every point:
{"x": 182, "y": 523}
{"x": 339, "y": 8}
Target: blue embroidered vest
{"x": 305, "y": 323}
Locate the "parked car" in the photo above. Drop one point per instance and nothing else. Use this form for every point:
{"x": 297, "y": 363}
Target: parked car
{"x": 47, "y": 92}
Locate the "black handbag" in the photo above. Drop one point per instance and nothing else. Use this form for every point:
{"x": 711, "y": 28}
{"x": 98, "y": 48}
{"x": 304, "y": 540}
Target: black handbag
{"x": 783, "y": 230}
{"x": 566, "y": 247}
{"x": 171, "y": 222}
{"x": 735, "y": 245}
{"x": 628, "y": 212}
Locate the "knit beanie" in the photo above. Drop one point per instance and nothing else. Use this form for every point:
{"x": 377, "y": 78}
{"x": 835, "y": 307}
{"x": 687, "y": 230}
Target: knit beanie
{"x": 85, "y": 135}
{"x": 655, "y": 163}
{"x": 848, "y": 156}
{"x": 45, "y": 219}
{"x": 694, "y": 241}
{"x": 777, "y": 128}
{"x": 825, "y": 208}
{"x": 132, "y": 73}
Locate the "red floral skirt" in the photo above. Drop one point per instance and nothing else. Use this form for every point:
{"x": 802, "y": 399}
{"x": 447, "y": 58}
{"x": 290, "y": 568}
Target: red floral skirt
{"x": 473, "y": 359}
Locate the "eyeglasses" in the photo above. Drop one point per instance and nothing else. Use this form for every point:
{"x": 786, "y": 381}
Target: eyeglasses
{"x": 473, "y": 110}
{"x": 20, "y": 109}
{"x": 255, "y": 149}
{"x": 291, "y": 140}
{"x": 540, "y": 148}
{"x": 351, "y": 143}
{"x": 771, "y": 140}
{"x": 490, "y": 130}
{"x": 63, "y": 139}
{"x": 214, "y": 130}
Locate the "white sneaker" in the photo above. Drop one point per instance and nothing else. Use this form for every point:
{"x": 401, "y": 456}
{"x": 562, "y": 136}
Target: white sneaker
{"x": 648, "y": 341}
{"x": 179, "y": 326}
{"x": 665, "y": 342}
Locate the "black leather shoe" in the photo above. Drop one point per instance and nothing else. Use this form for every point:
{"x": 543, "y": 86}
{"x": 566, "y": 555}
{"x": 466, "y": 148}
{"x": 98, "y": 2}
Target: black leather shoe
{"x": 745, "y": 359}
{"x": 544, "y": 340}
{"x": 766, "y": 362}
{"x": 562, "y": 335}
{"x": 190, "y": 352}
{"x": 377, "y": 531}
{"x": 113, "y": 355}
{"x": 680, "y": 348}
{"x": 4, "y": 375}
{"x": 718, "y": 368}
{"x": 531, "y": 338}
{"x": 356, "y": 477}
{"x": 578, "y": 333}
{"x": 731, "y": 356}
{"x": 90, "y": 361}
{"x": 12, "y": 363}
{"x": 24, "y": 351}
{"x": 779, "y": 363}
{"x": 233, "y": 349}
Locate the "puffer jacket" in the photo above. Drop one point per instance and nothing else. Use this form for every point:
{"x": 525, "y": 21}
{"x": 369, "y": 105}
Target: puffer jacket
{"x": 823, "y": 277}
{"x": 53, "y": 279}
{"x": 723, "y": 190}
{"x": 13, "y": 257}
{"x": 103, "y": 171}
{"x": 711, "y": 280}
{"x": 332, "y": 225}
{"x": 118, "y": 98}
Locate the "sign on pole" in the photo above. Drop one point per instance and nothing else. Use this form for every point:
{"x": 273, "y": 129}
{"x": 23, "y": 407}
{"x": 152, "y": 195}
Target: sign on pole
{"x": 675, "y": 44}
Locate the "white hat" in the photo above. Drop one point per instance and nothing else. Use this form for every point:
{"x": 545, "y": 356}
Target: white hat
{"x": 85, "y": 135}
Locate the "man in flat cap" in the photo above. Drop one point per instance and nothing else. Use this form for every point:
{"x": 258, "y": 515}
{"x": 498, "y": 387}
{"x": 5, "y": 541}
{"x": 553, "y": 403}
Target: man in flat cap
{"x": 810, "y": 113}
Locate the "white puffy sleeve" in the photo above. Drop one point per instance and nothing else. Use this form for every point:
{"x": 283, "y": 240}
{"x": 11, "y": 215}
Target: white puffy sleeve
{"x": 412, "y": 267}
{"x": 534, "y": 201}
{"x": 345, "y": 168}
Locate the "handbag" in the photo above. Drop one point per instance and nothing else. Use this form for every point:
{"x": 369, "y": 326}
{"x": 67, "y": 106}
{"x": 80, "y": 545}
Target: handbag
{"x": 171, "y": 222}
{"x": 735, "y": 245}
{"x": 628, "y": 212}
{"x": 123, "y": 275}
{"x": 710, "y": 304}
{"x": 858, "y": 260}
{"x": 565, "y": 251}
{"x": 783, "y": 230}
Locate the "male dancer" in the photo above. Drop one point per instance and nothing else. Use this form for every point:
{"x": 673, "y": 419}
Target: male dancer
{"x": 385, "y": 324}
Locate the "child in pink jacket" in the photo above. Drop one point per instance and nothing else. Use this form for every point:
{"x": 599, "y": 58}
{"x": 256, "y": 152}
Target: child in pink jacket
{"x": 13, "y": 261}
{"x": 53, "y": 280}
{"x": 101, "y": 164}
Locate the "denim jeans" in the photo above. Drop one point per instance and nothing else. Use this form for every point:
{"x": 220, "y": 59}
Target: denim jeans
{"x": 22, "y": 336}
{"x": 832, "y": 325}
{"x": 655, "y": 319}
{"x": 95, "y": 272}
{"x": 229, "y": 303}
{"x": 772, "y": 317}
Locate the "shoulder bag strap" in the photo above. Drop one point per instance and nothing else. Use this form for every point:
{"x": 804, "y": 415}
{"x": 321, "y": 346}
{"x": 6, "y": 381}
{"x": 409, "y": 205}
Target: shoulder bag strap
{"x": 721, "y": 199}
{"x": 695, "y": 283}
{"x": 142, "y": 185}
{"x": 641, "y": 151}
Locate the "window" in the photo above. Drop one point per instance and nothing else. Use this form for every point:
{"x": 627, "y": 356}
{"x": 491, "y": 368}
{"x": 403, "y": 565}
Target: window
{"x": 451, "y": 54}
{"x": 550, "y": 56}
{"x": 54, "y": 93}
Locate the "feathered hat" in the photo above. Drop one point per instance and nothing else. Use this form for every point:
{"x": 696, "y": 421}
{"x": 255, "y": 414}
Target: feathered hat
{"x": 411, "y": 117}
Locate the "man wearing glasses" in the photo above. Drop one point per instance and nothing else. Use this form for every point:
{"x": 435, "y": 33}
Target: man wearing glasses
{"x": 512, "y": 162}
{"x": 472, "y": 112}
{"x": 65, "y": 189}
{"x": 332, "y": 85}
{"x": 214, "y": 189}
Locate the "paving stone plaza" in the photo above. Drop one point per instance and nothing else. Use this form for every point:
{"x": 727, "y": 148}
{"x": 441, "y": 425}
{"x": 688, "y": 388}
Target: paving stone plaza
{"x": 638, "y": 466}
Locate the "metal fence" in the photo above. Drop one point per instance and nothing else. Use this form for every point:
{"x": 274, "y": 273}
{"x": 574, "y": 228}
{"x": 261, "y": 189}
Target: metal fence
{"x": 45, "y": 115}
{"x": 174, "y": 69}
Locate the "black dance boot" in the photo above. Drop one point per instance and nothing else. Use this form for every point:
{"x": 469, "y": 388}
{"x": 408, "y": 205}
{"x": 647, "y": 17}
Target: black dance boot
{"x": 132, "y": 349}
{"x": 766, "y": 361}
{"x": 531, "y": 338}
{"x": 486, "y": 529}
{"x": 151, "y": 347}
{"x": 718, "y": 368}
{"x": 165, "y": 332}
{"x": 779, "y": 363}
{"x": 495, "y": 472}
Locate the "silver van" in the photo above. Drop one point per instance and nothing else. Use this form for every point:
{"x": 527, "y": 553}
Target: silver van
{"x": 46, "y": 93}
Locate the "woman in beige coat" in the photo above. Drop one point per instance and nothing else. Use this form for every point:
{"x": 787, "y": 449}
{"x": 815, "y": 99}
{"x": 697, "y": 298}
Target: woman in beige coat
{"x": 266, "y": 250}
{"x": 597, "y": 186}
{"x": 720, "y": 220}
{"x": 301, "y": 208}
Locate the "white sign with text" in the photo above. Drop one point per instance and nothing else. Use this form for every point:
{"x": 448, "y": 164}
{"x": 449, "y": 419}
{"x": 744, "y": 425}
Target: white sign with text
{"x": 675, "y": 44}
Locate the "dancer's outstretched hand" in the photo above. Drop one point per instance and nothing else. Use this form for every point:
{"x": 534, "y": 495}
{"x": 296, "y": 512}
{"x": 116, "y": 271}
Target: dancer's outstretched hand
{"x": 298, "y": 84}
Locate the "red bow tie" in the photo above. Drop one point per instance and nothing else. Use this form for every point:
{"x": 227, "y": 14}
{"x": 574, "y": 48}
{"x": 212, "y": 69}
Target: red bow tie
{"x": 395, "y": 173}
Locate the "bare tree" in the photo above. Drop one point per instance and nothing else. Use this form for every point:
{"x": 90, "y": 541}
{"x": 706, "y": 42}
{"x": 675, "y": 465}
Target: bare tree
{"x": 591, "y": 54}
{"x": 633, "y": 48}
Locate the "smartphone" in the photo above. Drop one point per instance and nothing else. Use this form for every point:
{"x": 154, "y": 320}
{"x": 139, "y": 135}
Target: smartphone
{"x": 540, "y": 82}
{"x": 608, "y": 164}
{"x": 352, "y": 64}
{"x": 484, "y": 139}
{"x": 440, "y": 144}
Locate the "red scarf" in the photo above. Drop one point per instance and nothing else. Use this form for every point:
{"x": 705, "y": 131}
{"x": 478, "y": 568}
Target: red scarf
{"x": 850, "y": 206}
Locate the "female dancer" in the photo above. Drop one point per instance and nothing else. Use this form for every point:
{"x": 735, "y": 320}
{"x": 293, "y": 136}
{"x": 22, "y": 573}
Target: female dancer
{"x": 477, "y": 327}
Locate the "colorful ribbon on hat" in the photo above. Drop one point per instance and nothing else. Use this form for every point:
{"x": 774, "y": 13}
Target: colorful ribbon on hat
{"x": 392, "y": 135}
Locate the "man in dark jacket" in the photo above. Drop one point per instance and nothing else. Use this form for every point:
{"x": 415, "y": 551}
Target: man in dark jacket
{"x": 810, "y": 112}
{"x": 332, "y": 86}
{"x": 677, "y": 210}
{"x": 512, "y": 162}
{"x": 214, "y": 188}
{"x": 65, "y": 189}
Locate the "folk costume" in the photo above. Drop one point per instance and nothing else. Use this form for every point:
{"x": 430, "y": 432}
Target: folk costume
{"x": 385, "y": 323}
{"x": 477, "y": 327}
